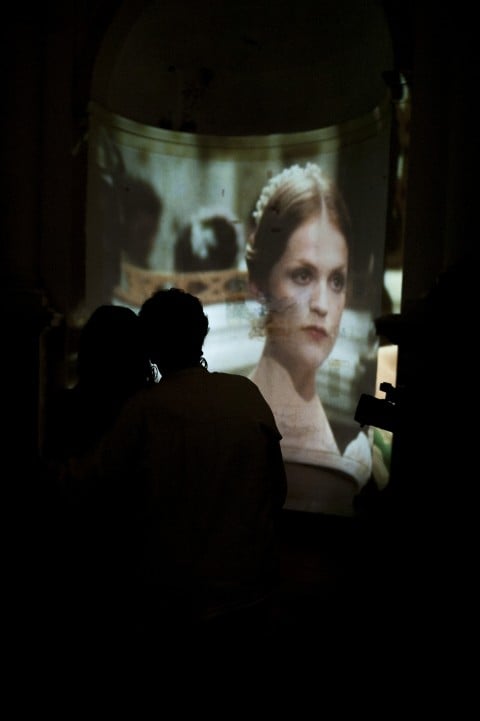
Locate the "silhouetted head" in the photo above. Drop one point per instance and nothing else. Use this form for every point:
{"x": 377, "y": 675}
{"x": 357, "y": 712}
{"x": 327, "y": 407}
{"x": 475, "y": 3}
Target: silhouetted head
{"x": 112, "y": 353}
{"x": 175, "y": 328}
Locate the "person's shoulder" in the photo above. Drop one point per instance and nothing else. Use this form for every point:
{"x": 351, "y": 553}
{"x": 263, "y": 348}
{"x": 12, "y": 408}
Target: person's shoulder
{"x": 139, "y": 401}
{"x": 247, "y": 392}
{"x": 235, "y": 380}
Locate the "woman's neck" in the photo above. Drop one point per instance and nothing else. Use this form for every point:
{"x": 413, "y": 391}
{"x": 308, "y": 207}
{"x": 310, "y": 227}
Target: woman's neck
{"x": 274, "y": 376}
{"x": 300, "y": 416}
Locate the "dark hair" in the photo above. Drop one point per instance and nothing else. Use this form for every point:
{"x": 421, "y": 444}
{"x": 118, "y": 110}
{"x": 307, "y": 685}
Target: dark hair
{"x": 175, "y": 327}
{"x": 287, "y": 201}
{"x": 142, "y": 211}
{"x": 111, "y": 351}
{"x": 221, "y": 254}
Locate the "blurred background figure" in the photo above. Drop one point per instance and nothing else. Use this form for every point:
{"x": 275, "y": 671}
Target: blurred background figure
{"x": 210, "y": 241}
{"x": 141, "y": 213}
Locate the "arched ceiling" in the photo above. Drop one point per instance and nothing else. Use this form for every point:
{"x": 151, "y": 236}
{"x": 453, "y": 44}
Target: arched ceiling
{"x": 244, "y": 67}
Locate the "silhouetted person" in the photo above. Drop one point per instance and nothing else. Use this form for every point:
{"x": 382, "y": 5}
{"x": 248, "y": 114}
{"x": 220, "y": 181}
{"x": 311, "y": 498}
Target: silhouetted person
{"x": 199, "y": 457}
{"x": 112, "y": 364}
{"x": 83, "y": 531}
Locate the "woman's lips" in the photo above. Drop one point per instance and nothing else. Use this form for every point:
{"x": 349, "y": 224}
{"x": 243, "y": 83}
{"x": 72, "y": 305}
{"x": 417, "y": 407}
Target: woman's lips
{"x": 316, "y": 332}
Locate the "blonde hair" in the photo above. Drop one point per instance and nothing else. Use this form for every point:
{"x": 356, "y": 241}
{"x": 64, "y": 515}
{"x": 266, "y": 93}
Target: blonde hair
{"x": 295, "y": 176}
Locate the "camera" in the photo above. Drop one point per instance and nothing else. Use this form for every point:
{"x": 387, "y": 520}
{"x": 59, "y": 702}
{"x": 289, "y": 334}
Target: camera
{"x": 378, "y": 412}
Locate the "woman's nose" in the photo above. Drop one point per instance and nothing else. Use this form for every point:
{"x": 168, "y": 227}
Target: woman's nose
{"x": 319, "y": 298}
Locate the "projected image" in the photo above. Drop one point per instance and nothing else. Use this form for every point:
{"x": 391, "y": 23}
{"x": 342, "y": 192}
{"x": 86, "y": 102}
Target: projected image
{"x": 298, "y": 259}
{"x": 282, "y": 238}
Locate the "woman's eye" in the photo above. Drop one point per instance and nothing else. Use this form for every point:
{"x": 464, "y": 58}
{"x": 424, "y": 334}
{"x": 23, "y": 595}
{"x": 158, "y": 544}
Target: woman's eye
{"x": 301, "y": 276}
{"x": 338, "y": 281}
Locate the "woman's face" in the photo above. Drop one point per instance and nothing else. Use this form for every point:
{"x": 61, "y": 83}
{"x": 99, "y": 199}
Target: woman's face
{"x": 306, "y": 295}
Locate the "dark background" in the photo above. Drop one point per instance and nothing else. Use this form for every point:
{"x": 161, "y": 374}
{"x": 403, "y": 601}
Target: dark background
{"x": 236, "y": 68}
